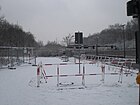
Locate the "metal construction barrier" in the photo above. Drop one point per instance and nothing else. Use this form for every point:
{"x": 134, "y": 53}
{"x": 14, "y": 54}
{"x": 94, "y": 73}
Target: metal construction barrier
{"x": 40, "y": 70}
{"x": 41, "y": 74}
{"x": 127, "y": 63}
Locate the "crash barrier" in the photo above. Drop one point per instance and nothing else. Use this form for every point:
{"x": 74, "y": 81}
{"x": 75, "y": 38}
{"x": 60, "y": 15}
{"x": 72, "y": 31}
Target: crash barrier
{"x": 42, "y": 74}
{"x": 113, "y": 61}
{"x": 107, "y": 59}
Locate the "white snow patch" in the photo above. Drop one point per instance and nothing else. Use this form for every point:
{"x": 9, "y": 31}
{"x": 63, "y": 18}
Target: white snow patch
{"x": 18, "y": 87}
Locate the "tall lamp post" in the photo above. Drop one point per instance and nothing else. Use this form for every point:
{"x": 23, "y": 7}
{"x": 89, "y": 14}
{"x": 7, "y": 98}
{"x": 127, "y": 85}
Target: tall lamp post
{"x": 97, "y": 46}
{"x": 124, "y": 52}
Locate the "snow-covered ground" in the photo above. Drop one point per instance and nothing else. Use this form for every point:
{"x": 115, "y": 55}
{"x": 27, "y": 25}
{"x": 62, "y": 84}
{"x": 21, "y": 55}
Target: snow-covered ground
{"x": 19, "y": 86}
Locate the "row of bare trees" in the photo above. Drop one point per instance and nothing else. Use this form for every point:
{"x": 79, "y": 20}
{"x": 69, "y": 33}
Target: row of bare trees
{"x": 113, "y": 34}
{"x": 13, "y": 35}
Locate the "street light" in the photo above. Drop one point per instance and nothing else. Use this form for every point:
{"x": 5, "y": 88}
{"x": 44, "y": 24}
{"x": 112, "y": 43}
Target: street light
{"x": 97, "y": 45}
{"x": 124, "y": 54}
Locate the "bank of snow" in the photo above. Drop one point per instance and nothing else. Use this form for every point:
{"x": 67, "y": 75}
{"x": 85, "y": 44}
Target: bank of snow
{"x": 18, "y": 87}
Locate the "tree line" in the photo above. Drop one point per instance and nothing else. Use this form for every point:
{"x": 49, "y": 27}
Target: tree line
{"x": 113, "y": 34}
{"x": 13, "y": 35}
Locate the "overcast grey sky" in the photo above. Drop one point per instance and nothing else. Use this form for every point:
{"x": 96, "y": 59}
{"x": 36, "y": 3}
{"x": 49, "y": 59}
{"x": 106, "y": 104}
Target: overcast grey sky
{"x": 54, "y": 19}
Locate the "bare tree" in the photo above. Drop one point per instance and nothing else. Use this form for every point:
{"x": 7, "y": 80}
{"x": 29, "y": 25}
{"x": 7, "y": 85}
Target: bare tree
{"x": 1, "y": 16}
{"x": 68, "y": 39}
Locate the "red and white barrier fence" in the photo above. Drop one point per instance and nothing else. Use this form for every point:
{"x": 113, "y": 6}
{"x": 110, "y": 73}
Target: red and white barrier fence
{"x": 103, "y": 72}
{"x": 50, "y": 64}
{"x": 42, "y": 74}
{"x": 38, "y": 76}
{"x": 120, "y": 75}
{"x": 58, "y": 75}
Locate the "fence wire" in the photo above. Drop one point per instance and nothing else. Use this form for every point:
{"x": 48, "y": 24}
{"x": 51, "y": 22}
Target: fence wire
{"x": 11, "y": 56}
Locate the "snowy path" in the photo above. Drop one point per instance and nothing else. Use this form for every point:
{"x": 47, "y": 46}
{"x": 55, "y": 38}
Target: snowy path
{"x": 18, "y": 87}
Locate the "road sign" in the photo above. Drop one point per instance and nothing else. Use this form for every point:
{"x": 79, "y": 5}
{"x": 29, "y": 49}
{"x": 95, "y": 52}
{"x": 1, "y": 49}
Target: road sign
{"x": 78, "y": 38}
{"x": 132, "y": 8}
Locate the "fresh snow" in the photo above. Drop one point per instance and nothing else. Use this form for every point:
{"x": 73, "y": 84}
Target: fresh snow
{"x": 19, "y": 86}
